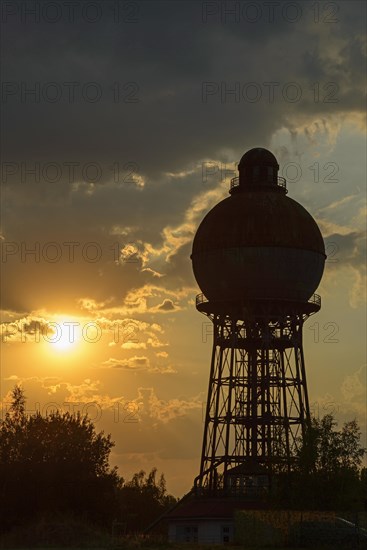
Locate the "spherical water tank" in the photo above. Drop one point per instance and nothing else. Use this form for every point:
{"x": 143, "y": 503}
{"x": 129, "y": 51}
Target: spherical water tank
{"x": 258, "y": 244}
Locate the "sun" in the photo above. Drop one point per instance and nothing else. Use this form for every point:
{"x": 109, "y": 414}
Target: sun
{"x": 66, "y": 334}
{"x": 64, "y": 343}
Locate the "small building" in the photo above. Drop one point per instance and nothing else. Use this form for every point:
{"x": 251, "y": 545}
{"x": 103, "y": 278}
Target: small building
{"x": 204, "y": 520}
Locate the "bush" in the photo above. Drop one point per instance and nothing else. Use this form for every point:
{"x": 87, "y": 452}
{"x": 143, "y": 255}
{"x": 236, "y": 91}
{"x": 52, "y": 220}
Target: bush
{"x": 55, "y": 532}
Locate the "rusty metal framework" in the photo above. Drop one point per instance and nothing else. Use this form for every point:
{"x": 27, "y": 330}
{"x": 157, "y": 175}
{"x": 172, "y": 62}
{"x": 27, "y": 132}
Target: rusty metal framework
{"x": 257, "y": 407}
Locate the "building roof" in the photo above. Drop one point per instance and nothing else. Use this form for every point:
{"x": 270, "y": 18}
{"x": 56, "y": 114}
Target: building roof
{"x": 214, "y": 508}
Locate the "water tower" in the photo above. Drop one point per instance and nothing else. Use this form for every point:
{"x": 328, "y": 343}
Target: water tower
{"x": 258, "y": 257}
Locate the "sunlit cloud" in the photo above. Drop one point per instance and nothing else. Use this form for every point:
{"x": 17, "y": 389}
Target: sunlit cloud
{"x": 165, "y": 410}
{"x": 163, "y": 354}
{"x": 134, "y": 345}
{"x": 132, "y": 363}
{"x": 160, "y": 165}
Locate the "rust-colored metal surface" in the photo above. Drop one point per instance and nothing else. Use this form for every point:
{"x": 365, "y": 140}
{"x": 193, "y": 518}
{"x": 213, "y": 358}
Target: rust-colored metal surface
{"x": 258, "y": 218}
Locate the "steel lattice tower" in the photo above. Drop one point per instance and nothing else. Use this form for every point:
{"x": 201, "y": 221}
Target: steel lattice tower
{"x": 258, "y": 256}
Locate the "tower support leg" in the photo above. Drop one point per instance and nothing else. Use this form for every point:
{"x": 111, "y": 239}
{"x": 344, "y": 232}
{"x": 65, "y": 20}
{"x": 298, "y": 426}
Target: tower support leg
{"x": 257, "y": 407}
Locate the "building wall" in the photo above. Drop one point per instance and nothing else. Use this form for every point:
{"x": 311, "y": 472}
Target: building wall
{"x": 201, "y": 531}
{"x": 215, "y": 532}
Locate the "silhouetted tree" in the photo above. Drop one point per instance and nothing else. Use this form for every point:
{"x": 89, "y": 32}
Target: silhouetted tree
{"x": 328, "y": 472}
{"x": 364, "y": 487}
{"x": 52, "y": 464}
{"x": 143, "y": 499}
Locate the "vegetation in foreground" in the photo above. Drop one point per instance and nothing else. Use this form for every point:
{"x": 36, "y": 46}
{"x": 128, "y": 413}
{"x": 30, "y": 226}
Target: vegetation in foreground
{"x": 56, "y": 483}
{"x": 57, "y": 488}
{"x": 327, "y": 473}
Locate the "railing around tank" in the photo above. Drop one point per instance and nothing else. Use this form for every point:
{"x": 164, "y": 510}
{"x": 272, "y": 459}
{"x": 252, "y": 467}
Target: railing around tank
{"x": 315, "y": 299}
{"x": 201, "y": 298}
{"x": 235, "y": 182}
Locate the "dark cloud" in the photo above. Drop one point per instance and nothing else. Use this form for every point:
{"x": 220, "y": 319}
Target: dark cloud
{"x": 179, "y": 269}
{"x": 166, "y": 56}
{"x": 169, "y": 53}
{"x": 347, "y": 250}
{"x": 166, "y": 305}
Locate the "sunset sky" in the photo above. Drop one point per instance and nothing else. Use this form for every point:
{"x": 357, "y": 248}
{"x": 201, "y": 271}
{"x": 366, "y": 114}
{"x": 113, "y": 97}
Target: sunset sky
{"x": 139, "y": 114}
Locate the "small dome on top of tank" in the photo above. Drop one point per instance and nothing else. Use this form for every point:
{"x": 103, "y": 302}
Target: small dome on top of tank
{"x": 258, "y": 156}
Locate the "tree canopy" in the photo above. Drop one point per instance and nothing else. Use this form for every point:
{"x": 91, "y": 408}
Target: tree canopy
{"x": 58, "y": 464}
{"x": 328, "y": 451}
{"x": 54, "y": 463}
{"x": 143, "y": 499}
{"x": 328, "y": 472}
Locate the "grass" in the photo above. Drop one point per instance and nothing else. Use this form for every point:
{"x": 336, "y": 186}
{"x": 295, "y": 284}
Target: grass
{"x": 135, "y": 543}
{"x": 168, "y": 546}
{"x": 62, "y": 533}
